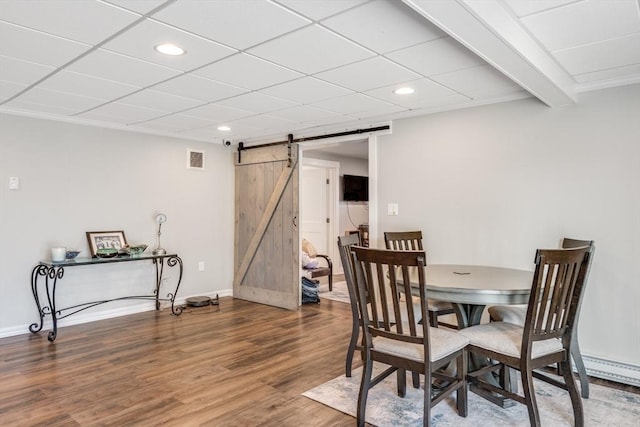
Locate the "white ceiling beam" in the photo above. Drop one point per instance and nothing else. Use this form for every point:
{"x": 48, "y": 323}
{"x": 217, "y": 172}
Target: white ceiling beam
{"x": 489, "y": 30}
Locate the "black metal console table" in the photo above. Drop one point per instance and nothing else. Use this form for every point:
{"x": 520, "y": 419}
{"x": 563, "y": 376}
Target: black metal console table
{"x": 54, "y": 271}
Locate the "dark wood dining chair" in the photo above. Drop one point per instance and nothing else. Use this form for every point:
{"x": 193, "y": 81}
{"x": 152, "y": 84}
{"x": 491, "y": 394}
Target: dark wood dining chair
{"x": 412, "y": 241}
{"x": 345, "y": 243}
{"x": 517, "y": 313}
{"x": 545, "y": 338}
{"x": 382, "y": 278}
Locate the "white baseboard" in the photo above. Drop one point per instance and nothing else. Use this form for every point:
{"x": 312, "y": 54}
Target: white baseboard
{"x": 613, "y": 371}
{"x": 89, "y": 316}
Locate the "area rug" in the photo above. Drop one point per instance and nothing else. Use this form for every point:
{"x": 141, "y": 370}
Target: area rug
{"x": 605, "y": 406}
{"x": 339, "y": 293}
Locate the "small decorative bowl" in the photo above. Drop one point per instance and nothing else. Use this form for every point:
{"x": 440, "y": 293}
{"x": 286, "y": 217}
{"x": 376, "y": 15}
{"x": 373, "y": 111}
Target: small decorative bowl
{"x": 72, "y": 254}
{"x": 134, "y": 250}
{"x": 107, "y": 253}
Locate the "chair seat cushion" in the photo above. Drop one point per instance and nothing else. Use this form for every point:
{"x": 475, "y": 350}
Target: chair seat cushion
{"x": 443, "y": 343}
{"x": 506, "y": 338}
{"x": 515, "y": 314}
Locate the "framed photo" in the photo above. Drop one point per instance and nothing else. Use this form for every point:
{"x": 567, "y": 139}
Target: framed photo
{"x": 105, "y": 240}
{"x": 195, "y": 159}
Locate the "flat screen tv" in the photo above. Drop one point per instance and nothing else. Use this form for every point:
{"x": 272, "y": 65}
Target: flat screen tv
{"x": 355, "y": 188}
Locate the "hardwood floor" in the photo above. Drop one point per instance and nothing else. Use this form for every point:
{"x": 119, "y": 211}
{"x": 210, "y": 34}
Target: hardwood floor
{"x": 236, "y": 364}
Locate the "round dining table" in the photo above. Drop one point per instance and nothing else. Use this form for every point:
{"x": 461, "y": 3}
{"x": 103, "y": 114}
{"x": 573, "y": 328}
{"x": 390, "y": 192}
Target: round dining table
{"x": 470, "y": 288}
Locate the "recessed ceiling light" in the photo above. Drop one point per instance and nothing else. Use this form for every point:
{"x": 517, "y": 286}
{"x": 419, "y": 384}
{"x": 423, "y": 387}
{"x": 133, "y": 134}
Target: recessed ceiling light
{"x": 224, "y": 128}
{"x": 404, "y": 91}
{"x": 170, "y": 49}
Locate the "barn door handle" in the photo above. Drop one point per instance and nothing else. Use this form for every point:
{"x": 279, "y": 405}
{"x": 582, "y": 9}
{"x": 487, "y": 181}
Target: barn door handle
{"x": 295, "y": 221}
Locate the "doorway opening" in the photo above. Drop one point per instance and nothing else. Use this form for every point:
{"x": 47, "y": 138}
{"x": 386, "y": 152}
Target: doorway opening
{"x": 334, "y": 160}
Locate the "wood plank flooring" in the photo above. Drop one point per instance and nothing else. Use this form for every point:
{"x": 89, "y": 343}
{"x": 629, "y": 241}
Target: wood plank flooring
{"x": 236, "y": 364}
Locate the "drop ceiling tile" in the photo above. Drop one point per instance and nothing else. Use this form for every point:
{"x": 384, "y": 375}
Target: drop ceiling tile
{"x": 436, "y": 57}
{"x": 241, "y": 131}
{"x": 175, "y": 123}
{"x": 628, "y": 72}
{"x": 9, "y": 89}
{"x": 308, "y": 114}
{"x": 355, "y": 104}
{"x": 263, "y": 121}
{"x": 280, "y": 134}
{"x": 320, "y": 9}
{"x": 584, "y": 22}
{"x": 383, "y": 112}
{"x": 247, "y": 71}
{"x": 30, "y": 107}
{"x": 140, "y": 41}
{"x": 311, "y": 50}
{"x": 198, "y": 88}
{"x": 98, "y": 20}
{"x": 239, "y": 24}
{"x": 114, "y": 66}
{"x": 523, "y": 8}
{"x": 426, "y": 92}
{"x": 217, "y": 113}
{"x": 75, "y": 103}
{"x": 368, "y": 74}
{"x": 306, "y": 90}
{"x": 17, "y": 71}
{"x": 122, "y": 113}
{"x": 160, "y": 101}
{"x": 479, "y": 82}
{"x": 206, "y": 134}
{"x": 38, "y": 47}
{"x": 139, "y": 6}
{"x": 82, "y": 84}
{"x": 256, "y": 102}
{"x": 211, "y": 133}
{"x": 601, "y": 56}
{"x": 384, "y": 26}
{"x": 255, "y": 123}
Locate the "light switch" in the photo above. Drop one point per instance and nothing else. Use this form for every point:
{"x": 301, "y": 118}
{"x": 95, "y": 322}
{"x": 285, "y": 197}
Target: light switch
{"x": 392, "y": 209}
{"x": 201, "y": 266}
{"x": 14, "y": 183}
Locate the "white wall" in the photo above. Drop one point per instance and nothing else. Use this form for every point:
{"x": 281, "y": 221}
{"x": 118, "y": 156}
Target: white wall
{"x": 489, "y": 185}
{"x": 75, "y": 179}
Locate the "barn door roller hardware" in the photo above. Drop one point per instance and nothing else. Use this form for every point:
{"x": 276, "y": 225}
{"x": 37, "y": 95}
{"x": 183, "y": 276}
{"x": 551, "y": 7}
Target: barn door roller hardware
{"x": 290, "y": 139}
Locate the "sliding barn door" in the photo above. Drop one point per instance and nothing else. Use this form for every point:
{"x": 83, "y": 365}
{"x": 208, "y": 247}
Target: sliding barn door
{"x": 266, "y": 233}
